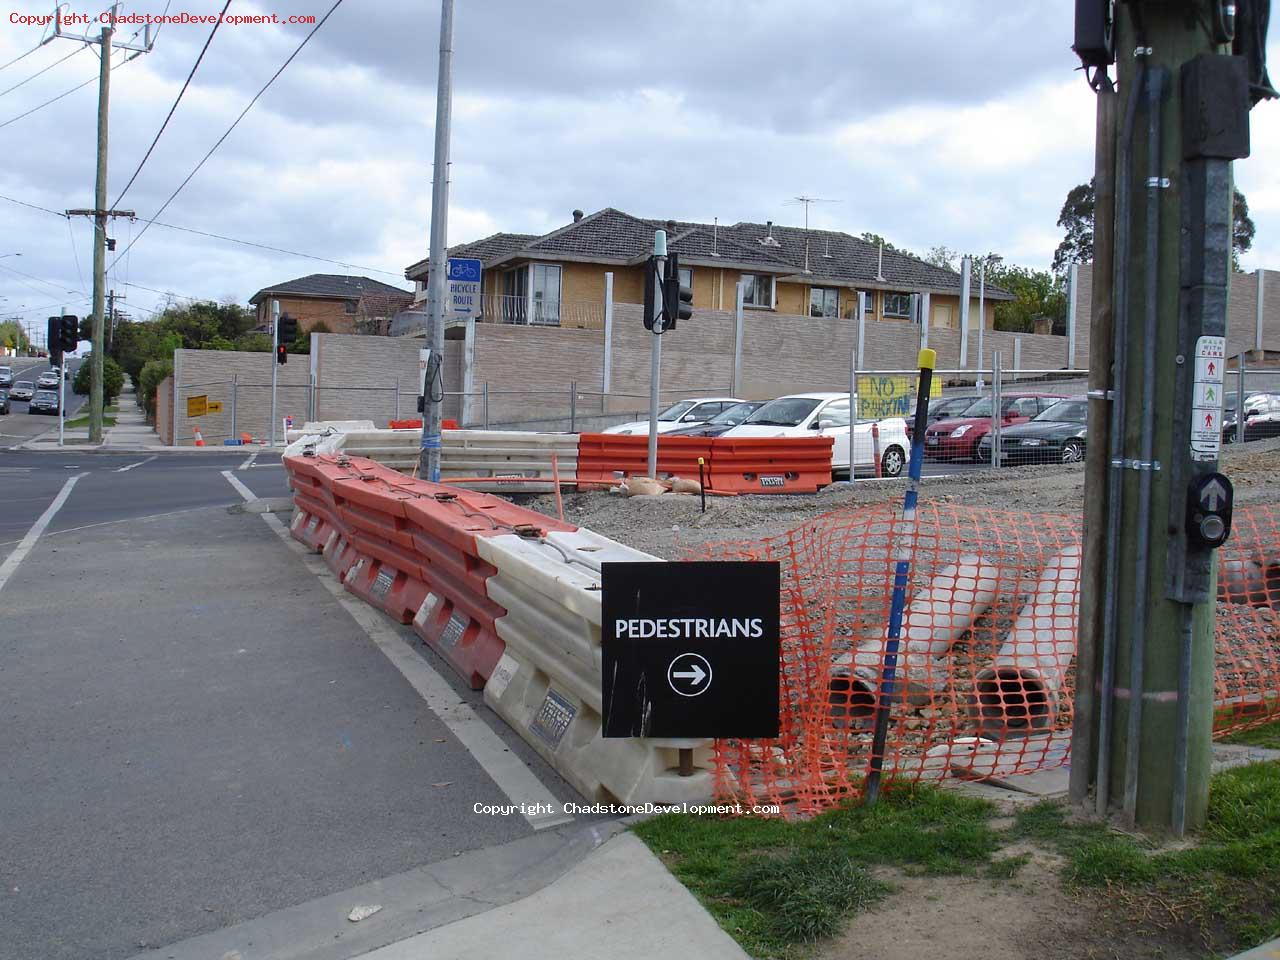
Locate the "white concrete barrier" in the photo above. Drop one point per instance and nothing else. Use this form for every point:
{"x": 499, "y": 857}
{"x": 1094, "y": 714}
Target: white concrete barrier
{"x": 547, "y": 685}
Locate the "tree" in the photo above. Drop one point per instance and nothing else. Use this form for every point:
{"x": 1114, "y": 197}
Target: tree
{"x": 943, "y": 256}
{"x": 13, "y": 336}
{"x": 1076, "y": 218}
{"x": 112, "y": 379}
{"x": 302, "y": 343}
{"x": 1036, "y": 293}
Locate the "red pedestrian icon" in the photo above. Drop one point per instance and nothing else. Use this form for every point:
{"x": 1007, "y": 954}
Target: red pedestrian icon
{"x": 1208, "y": 420}
{"x": 1212, "y": 367}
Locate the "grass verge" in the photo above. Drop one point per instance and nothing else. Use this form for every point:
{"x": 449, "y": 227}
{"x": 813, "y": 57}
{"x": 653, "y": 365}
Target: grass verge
{"x": 1267, "y": 736}
{"x": 779, "y": 886}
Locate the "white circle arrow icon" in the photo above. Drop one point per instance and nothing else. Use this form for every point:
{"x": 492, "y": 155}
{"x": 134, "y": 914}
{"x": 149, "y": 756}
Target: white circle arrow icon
{"x": 689, "y": 674}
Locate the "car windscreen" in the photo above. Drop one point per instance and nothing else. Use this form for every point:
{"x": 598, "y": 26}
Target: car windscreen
{"x": 734, "y": 415}
{"x": 675, "y": 411}
{"x": 982, "y": 408}
{"x": 786, "y": 412}
{"x": 24, "y": 384}
{"x": 47, "y": 396}
{"x": 1067, "y": 411}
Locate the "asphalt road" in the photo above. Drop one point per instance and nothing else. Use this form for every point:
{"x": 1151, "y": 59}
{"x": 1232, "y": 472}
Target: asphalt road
{"x": 19, "y": 426}
{"x": 196, "y": 732}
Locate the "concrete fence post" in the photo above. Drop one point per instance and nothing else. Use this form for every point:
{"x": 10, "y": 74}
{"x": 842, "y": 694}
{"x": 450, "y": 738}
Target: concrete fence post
{"x": 924, "y": 320}
{"x": 862, "y": 327}
{"x": 468, "y": 371}
{"x": 1017, "y": 357}
{"x": 235, "y": 388}
{"x": 1073, "y": 278}
{"x": 486, "y": 404}
{"x": 606, "y": 373}
{"x": 966, "y": 269}
{"x": 397, "y": 398}
{"x": 736, "y": 386}
{"x": 1257, "y": 327}
{"x": 573, "y": 406}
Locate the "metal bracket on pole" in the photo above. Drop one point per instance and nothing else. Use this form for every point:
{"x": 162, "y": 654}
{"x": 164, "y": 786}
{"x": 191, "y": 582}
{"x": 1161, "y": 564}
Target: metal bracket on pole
{"x": 1133, "y": 464}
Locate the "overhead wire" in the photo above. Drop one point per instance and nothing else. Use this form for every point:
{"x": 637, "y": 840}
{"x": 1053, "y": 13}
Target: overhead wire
{"x": 186, "y": 83}
{"x": 23, "y": 83}
{"x": 236, "y": 122}
{"x": 41, "y": 106}
{"x": 21, "y": 56}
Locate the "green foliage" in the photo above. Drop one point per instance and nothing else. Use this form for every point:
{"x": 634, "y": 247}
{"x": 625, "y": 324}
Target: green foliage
{"x": 1242, "y": 228}
{"x": 1267, "y": 736}
{"x": 112, "y": 379}
{"x": 254, "y": 343}
{"x": 13, "y": 336}
{"x": 153, "y": 371}
{"x": 302, "y": 344}
{"x": 209, "y": 326}
{"x": 1037, "y": 293}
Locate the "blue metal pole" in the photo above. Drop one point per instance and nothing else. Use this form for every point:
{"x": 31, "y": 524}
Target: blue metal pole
{"x": 901, "y": 575}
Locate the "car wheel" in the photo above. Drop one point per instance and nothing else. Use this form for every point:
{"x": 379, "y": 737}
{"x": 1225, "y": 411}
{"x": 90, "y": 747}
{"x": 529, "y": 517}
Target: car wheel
{"x": 892, "y": 462}
{"x": 1072, "y": 451}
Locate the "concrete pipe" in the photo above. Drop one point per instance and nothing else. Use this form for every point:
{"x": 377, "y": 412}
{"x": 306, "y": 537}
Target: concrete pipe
{"x": 1019, "y": 690}
{"x": 957, "y": 595}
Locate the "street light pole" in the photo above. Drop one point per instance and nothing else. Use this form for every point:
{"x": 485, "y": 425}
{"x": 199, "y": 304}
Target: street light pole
{"x": 438, "y": 257}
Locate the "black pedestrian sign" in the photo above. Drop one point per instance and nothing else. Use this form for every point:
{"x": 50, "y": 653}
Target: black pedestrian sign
{"x": 690, "y": 649}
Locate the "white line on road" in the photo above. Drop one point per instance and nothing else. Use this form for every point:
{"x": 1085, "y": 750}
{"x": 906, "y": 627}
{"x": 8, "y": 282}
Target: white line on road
{"x": 502, "y": 765}
{"x": 248, "y": 461}
{"x": 241, "y": 489}
{"x": 138, "y": 464}
{"x": 22, "y": 549}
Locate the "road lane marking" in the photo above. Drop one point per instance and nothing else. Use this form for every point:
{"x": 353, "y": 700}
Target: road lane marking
{"x": 248, "y": 461}
{"x": 241, "y": 489}
{"x": 22, "y": 549}
{"x": 138, "y": 464}
{"x": 495, "y": 758}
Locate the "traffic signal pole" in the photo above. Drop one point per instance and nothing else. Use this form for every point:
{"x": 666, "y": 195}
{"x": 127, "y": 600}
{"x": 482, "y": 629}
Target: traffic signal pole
{"x": 1148, "y": 712}
{"x": 275, "y": 342}
{"x": 658, "y": 266}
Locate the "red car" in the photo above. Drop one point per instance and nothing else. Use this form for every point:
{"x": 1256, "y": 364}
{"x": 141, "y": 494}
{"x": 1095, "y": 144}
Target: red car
{"x": 958, "y": 439}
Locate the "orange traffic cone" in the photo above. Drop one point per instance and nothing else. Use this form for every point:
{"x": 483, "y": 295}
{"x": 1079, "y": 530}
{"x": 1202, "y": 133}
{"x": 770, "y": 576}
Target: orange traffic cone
{"x": 199, "y": 439}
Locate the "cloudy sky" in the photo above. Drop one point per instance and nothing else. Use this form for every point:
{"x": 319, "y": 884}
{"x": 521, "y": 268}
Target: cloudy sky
{"x": 956, "y": 122}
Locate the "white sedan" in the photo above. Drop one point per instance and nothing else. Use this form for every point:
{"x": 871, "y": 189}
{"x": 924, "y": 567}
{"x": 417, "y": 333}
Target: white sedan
{"x": 827, "y": 414}
{"x": 686, "y": 413}
{"x": 48, "y": 379}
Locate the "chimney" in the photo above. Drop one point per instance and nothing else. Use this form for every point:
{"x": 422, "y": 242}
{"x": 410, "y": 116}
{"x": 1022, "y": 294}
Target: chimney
{"x": 671, "y": 226}
{"x": 577, "y": 215}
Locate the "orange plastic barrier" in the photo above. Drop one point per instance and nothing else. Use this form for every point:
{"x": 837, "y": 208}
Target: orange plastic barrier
{"x": 603, "y": 456}
{"x": 416, "y": 424}
{"x": 769, "y": 464}
{"x": 409, "y": 547}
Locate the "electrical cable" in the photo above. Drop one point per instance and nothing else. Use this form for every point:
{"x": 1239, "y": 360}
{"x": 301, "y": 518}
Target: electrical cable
{"x": 74, "y": 253}
{"x": 236, "y": 122}
{"x": 68, "y": 93}
{"x": 21, "y": 56}
{"x": 186, "y": 83}
{"x": 23, "y": 83}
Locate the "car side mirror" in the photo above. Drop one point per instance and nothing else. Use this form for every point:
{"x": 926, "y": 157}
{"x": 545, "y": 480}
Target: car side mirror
{"x": 1250, "y": 414}
{"x": 825, "y": 424}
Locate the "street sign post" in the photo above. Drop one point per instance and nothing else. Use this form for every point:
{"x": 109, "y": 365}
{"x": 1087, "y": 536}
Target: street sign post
{"x": 690, "y": 649}
{"x": 464, "y": 288}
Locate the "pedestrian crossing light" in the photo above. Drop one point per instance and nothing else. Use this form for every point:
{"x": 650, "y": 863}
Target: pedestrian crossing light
{"x": 53, "y": 340}
{"x": 677, "y": 299}
{"x": 70, "y": 333}
{"x": 286, "y": 333}
{"x": 652, "y": 319}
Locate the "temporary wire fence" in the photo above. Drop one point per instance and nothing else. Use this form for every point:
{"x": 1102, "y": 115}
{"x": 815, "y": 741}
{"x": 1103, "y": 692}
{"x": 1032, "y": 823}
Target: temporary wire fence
{"x": 985, "y": 669}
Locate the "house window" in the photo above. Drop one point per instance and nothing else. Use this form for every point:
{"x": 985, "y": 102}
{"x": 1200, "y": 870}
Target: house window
{"x": 686, "y": 277}
{"x": 824, "y": 302}
{"x": 350, "y": 306}
{"x": 897, "y": 305}
{"x": 757, "y": 290}
{"x": 871, "y": 303}
{"x": 544, "y": 294}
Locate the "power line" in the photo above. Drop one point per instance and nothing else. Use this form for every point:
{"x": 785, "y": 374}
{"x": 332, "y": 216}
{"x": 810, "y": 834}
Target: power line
{"x": 48, "y": 283}
{"x": 23, "y": 83}
{"x": 68, "y": 93}
{"x": 75, "y": 253}
{"x": 194, "y": 67}
{"x": 21, "y": 56}
{"x": 265, "y": 86}
{"x": 218, "y": 236}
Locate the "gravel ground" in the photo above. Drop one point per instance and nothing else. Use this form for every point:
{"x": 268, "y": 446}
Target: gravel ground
{"x": 669, "y": 525}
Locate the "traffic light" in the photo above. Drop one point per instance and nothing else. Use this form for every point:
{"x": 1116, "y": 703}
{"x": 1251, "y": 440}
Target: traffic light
{"x": 53, "y": 340}
{"x": 286, "y": 333}
{"x": 650, "y": 296}
{"x": 70, "y": 338}
{"x": 677, "y": 300}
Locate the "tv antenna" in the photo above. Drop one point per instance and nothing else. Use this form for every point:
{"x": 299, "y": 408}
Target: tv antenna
{"x": 807, "y": 201}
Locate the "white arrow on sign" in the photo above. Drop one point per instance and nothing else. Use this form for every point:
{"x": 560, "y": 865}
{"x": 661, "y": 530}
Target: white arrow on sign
{"x": 1212, "y": 495}
{"x": 697, "y": 674}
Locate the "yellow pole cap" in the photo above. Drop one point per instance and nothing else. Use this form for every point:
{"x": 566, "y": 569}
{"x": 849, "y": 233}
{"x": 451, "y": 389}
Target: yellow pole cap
{"x": 928, "y": 358}
{"x": 702, "y": 462}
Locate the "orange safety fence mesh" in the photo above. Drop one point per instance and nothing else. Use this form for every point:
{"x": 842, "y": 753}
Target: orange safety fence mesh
{"x": 985, "y": 671}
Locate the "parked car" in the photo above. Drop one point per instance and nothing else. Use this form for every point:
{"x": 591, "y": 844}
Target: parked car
{"x": 48, "y": 379}
{"x": 942, "y": 409}
{"x": 686, "y": 413}
{"x": 4, "y": 401}
{"x": 1261, "y": 416}
{"x": 721, "y": 422}
{"x": 958, "y": 438}
{"x": 6, "y": 376}
{"x": 45, "y": 401}
{"x": 22, "y": 390}
{"x": 1055, "y": 436}
{"x": 827, "y": 414}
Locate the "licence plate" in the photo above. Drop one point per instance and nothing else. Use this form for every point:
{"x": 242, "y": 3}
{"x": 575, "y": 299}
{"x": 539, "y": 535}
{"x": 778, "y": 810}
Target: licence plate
{"x": 932, "y": 441}
{"x": 1032, "y": 443}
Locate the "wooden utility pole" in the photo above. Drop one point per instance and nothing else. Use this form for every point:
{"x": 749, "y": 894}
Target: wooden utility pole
{"x": 100, "y": 213}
